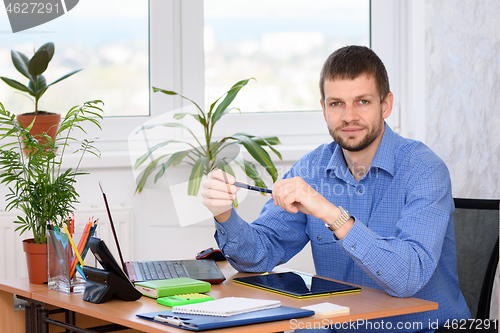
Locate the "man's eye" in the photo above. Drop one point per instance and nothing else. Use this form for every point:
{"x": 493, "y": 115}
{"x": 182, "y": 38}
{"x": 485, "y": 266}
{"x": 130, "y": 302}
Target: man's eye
{"x": 334, "y": 103}
{"x": 363, "y": 102}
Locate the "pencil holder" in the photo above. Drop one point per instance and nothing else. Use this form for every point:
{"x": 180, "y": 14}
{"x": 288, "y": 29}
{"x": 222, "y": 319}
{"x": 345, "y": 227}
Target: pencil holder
{"x": 64, "y": 271}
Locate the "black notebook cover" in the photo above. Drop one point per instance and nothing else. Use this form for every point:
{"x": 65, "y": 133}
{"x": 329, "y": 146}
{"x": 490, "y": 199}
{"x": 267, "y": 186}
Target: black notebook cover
{"x": 194, "y": 322}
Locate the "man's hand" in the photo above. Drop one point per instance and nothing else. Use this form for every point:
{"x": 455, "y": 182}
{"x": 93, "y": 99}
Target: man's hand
{"x": 218, "y": 194}
{"x": 294, "y": 195}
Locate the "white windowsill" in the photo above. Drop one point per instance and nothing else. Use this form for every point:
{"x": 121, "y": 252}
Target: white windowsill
{"x": 121, "y": 159}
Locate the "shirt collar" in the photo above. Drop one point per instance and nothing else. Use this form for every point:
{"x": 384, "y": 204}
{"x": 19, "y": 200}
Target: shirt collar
{"x": 383, "y": 159}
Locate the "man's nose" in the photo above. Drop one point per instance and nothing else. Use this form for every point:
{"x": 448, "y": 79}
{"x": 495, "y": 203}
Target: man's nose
{"x": 350, "y": 113}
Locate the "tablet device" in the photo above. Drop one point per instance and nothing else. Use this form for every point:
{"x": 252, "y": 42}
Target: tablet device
{"x": 296, "y": 284}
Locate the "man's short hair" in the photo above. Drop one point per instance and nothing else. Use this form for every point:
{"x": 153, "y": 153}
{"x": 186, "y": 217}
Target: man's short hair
{"x": 350, "y": 62}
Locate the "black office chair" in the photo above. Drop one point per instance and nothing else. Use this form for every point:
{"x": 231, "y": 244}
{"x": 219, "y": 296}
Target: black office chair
{"x": 476, "y": 223}
{"x": 488, "y": 301}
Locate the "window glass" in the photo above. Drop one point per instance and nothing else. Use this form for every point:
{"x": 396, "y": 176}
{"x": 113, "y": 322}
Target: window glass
{"x": 108, "y": 39}
{"x": 281, "y": 43}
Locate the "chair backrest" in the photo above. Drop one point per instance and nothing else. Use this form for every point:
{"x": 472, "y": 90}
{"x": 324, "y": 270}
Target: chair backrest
{"x": 488, "y": 302}
{"x": 476, "y": 223}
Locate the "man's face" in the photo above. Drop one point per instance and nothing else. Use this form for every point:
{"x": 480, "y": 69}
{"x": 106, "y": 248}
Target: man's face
{"x": 354, "y": 113}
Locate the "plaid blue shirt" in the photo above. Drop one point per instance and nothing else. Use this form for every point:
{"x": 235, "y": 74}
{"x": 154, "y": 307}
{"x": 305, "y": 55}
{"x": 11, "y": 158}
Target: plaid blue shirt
{"x": 402, "y": 240}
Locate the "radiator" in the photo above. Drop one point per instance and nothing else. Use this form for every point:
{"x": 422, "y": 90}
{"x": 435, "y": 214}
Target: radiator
{"x": 13, "y": 259}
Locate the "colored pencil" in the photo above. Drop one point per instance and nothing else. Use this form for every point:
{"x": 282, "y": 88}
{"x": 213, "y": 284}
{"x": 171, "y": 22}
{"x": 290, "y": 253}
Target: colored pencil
{"x": 80, "y": 247}
{"x": 73, "y": 245}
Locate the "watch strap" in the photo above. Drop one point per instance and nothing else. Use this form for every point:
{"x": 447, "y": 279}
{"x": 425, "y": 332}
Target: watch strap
{"x": 343, "y": 218}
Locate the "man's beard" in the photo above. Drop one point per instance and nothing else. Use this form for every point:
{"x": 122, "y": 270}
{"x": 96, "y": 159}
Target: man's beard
{"x": 356, "y": 146}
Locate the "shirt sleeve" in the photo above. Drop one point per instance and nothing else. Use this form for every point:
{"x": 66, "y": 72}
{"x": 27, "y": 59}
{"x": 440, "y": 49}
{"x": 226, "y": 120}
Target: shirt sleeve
{"x": 402, "y": 265}
{"x": 273, "y": 239}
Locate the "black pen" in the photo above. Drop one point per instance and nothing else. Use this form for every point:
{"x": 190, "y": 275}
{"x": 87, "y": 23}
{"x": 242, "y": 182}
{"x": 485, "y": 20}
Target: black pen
{"x": 253, "y": 188}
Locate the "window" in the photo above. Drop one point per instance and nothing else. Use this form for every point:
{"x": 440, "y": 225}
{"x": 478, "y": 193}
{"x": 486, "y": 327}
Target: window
{"x": 177, "y": 63}
{"x": 108, "y": 39}
{"x": 281, "y": 43}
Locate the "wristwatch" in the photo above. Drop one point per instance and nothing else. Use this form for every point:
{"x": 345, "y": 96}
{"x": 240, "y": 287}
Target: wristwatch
{"x": 344, "y": 217}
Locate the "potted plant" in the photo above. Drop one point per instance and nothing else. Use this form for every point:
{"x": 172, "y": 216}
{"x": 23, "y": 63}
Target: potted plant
{"x": 207, "y": 154}
{"x": 33, "y": 69}
{"x": 32, "y": 169}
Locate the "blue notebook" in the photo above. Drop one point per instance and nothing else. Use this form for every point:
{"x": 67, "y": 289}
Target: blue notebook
{"x": 194, "y": 322}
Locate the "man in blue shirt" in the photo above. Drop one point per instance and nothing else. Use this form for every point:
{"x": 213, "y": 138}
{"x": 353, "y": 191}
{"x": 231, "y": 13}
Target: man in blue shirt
{"x": 376, "y": 207}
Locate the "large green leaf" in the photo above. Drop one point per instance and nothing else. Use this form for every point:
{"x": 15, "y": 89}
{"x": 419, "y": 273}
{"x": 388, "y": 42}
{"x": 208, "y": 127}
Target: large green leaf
{"x": 40, "y": 87}
{"x": 250, "y": 170}
{"x": 144, "y": 157}
{"x": 196, "y": 175}
{"x": 177, "y": 125}
{"x": 38, "y": 63}
{"x": 213, "y": 105}
{"x": 50, "y": 48}
{"x": 259, "y": 154}
{"x": 258, "y": 141}
{"x": 226, "y": 111}
{"x": 173, "y": 93}
{"x": 230, "y": 96}
{"x": 21, "y": 61}
{"x": 65, "y": 77}
{"x": 17, "y": 85}
{"x": 224, "y": 166}
{"x": 173, "y": 160}
{"x": 145, "y": 174}
{"x": 197, "y": 117}
{"x": 264, "y": 141}
{"x": 268, "y": 140}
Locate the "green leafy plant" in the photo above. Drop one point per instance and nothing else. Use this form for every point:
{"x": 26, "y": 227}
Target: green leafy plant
{"x": 31, "y": 167}
{"x": 207, "y": 154}
{"x": 33, "y": 69}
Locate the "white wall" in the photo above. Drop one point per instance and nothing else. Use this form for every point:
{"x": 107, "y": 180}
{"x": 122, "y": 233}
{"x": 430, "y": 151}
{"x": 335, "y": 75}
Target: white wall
{"x": 463, "y": 92}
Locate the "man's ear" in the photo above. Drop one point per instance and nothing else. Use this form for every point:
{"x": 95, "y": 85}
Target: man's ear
{"x": 323, "y": 107}
{"x": 387, "y": 105}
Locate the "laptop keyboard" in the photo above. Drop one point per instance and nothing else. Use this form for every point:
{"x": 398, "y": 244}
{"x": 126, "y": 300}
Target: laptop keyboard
{"x": 159, "y": 270}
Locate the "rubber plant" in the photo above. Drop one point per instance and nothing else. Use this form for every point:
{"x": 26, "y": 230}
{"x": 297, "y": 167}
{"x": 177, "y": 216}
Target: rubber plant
{"x": 207, "y": 154}
{"x": 33, "y": 69}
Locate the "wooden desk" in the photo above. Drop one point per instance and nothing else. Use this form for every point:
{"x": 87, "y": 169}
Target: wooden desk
{"x": 367, "y": 304}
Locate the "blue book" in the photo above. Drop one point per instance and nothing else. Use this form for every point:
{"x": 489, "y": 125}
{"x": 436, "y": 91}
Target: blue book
{"x": 195, "y": 322}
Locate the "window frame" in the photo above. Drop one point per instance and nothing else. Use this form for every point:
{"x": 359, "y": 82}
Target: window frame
{"x": 177, "y": 63}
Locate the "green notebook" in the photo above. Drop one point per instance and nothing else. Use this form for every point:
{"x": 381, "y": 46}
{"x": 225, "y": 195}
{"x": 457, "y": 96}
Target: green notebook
{"x": 171, "y": 287}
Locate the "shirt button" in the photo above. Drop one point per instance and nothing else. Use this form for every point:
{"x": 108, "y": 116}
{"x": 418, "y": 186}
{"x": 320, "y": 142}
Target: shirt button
{"x": 360, "y": 191}
{"x": 379, "y": 273}
{"x": 227, "y": 256}
{"x": 223, "y": 232}
{"x": 319, "y": 237}
{"x": 353, "y": 247}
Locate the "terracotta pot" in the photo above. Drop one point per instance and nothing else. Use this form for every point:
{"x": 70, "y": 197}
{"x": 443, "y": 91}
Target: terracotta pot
{"x": 45, "y": 122}
{"x": 36, "y": 259}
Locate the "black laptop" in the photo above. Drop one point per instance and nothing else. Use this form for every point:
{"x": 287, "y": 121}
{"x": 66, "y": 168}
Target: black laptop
{"x": 204, "y": 269}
